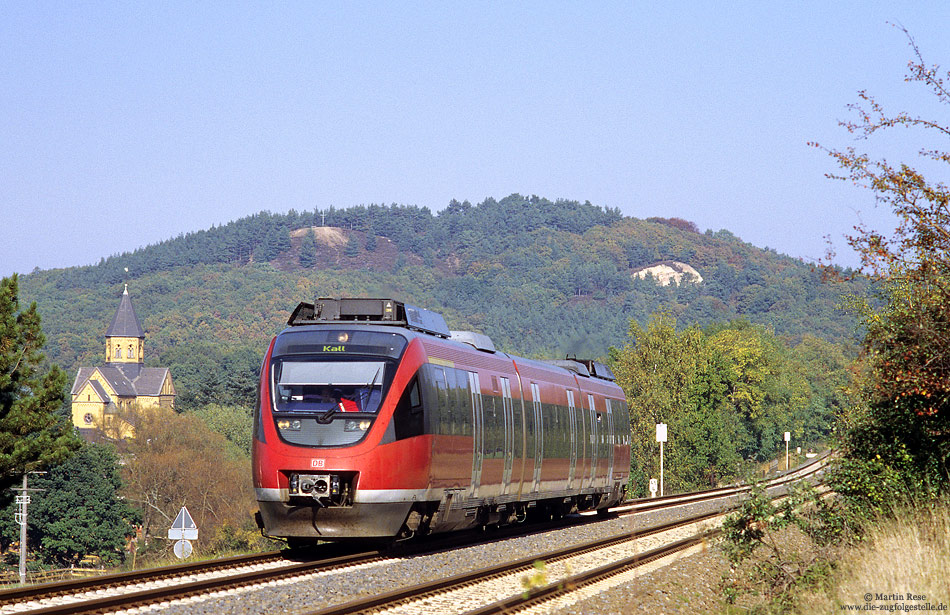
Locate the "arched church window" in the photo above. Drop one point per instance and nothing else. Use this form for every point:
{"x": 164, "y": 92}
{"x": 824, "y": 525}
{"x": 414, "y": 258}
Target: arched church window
{"x": 118, "y": 352}
{"x": 131, "y": 354}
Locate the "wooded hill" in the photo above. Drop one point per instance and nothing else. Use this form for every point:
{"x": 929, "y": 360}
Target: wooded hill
{"x": 542, "y": 278}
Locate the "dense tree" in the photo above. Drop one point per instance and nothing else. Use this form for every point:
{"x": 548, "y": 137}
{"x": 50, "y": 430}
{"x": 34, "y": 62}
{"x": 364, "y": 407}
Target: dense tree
{"x": 900, "y": 433}
{"x": 542, "y": 278}
{"x": 671, "y": 378}
{"x": 308, "y": 250}
{"x": 207, "y": 373}
{"x": 233, "y": 422}
{"x": 79, "y": 511}
{"x": 32, "y": 433}
{"x": 352, "y": 246}
{"x": 726, "y": 392}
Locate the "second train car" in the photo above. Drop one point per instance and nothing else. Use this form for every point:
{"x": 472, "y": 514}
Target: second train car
{"x": 376, "y": 421}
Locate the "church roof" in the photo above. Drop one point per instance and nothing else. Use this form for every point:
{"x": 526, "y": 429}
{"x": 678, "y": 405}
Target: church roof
{"x": 125, "y": 323}
{"x": 101, "y": 392}
{"x": 81, "y": 377}
{"x": 126, "y": 379}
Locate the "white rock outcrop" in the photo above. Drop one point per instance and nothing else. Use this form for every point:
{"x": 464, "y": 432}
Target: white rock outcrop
{"x": 668, "y": 272}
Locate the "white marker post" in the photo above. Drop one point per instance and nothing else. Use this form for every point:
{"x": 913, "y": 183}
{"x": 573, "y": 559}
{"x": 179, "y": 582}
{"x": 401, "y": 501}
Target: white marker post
{"x": 661, "y": 438}
{"x": 788, "y": 436}
{"x": 183, "y": 530}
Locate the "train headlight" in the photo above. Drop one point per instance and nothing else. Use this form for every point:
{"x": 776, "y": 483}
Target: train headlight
{"x": 356, "y": 425}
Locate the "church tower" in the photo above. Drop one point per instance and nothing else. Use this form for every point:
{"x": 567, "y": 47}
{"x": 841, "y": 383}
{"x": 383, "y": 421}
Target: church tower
{"x": 125, "y": 338}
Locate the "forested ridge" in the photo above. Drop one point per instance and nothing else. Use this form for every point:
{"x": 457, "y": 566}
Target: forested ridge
{"x": 541, "y": 277}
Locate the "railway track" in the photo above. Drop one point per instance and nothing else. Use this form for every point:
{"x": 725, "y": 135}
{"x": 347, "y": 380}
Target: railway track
{"x": 565, "y": 571}
{"x": 126, "y": 590}
{"x": 458, "y": 593}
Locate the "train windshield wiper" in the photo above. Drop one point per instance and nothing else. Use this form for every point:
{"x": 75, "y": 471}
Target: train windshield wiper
{"x": 372, "y": 383}
{"x": 327, "y": 416}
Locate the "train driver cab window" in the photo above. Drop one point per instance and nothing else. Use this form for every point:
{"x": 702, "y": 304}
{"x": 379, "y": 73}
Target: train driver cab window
{"x": 321, "y": 386}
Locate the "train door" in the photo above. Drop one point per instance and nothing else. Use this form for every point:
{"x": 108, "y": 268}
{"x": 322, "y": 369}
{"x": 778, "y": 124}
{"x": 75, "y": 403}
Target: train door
{"x": 509, "y": 416}
{"x": 611, "y": 439}
{"x": 524, "y": 438}
{"x": 478, "y": 422}
{"x": 538, "y": 436}
{"x": 594, "y": 437}
{"x": 572, "y": 427}
{"x": 583, "y": 446}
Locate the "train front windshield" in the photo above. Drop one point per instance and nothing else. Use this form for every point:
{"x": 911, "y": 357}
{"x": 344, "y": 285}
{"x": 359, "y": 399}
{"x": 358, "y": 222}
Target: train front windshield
{"x": 310, "y": 385}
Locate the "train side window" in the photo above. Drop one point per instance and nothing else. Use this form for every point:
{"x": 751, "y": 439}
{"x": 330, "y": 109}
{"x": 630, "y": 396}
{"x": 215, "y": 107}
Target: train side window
{"x": 408, "y": 418}
{"x": 442, "y": 400}
{"x": 415, "y": 400}
{"x": 462, "y": 408}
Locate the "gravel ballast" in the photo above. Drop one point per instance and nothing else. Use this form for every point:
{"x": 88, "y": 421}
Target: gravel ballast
{"x": 666, "y": 589}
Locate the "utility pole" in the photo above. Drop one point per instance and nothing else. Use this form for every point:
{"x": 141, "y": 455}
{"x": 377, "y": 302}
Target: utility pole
{"x": 23, "y": 501}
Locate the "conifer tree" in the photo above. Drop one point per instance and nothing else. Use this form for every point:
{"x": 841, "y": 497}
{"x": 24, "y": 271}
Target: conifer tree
{"x": 32, "y": 435}
{"x": 308, "y": 250}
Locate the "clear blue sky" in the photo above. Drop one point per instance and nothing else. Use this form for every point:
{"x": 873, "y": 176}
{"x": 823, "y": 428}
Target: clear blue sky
{"x": 123, "y": 124}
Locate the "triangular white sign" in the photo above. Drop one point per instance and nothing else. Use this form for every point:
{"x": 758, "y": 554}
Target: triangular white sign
{"x": 184, "y": 521}
{"x": 183, "y": 527}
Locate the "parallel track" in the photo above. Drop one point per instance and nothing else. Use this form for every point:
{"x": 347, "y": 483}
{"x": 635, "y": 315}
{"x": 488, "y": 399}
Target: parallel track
{"x": 124, "y": 590}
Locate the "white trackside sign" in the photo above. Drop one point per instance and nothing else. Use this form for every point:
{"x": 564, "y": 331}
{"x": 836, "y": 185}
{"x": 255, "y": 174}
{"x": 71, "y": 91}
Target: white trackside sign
{"x": 183, "y": 527}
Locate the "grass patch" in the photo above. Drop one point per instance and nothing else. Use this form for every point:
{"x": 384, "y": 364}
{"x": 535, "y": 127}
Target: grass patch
{"x": 905, "y": 557}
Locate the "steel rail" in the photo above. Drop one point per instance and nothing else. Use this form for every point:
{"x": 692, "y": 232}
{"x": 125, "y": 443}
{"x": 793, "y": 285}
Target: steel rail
{"x": 314, "y": 563}
{"x": 191, "y": 588}
{"x": 575, "y": 582}
{"x": 644, "y": 504}
{"x": 59, "y": 588}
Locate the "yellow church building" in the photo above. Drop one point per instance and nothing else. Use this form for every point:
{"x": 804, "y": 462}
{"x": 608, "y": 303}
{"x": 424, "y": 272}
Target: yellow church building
{"x": 104, "y": 399}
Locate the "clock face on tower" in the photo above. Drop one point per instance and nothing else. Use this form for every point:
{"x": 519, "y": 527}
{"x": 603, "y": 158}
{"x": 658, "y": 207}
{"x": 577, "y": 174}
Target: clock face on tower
{"x": 87, "y": 418}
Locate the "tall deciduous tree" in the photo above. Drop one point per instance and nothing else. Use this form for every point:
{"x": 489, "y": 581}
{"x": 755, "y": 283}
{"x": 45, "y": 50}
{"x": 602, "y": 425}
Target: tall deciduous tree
{"x": 175, "y": 461}
{"x": 32, "y": 435}
{"x": 905, "y": 424}
{"x": 673, "y": 378}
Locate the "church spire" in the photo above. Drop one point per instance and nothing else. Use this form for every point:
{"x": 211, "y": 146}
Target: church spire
{"x": 125, "y": 338}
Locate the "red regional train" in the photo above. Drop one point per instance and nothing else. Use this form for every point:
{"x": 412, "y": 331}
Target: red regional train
{"x": 377, "y": 422}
